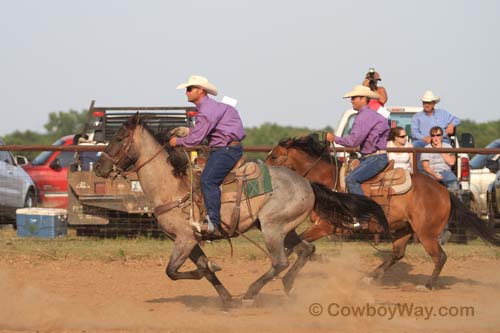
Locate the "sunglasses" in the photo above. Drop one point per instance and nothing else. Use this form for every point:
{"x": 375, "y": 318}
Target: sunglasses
{"x": 190, "y": 88}
{"x": 433, "y": 135}
{"x": 402, "y": 136}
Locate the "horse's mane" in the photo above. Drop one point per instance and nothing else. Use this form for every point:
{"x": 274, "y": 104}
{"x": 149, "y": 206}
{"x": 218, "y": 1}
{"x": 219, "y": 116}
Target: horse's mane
{"x": 309, "y": 144}
{"x": 176, "y": 155}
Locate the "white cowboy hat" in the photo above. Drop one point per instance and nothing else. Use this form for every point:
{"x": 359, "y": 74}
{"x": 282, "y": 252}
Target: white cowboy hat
{"x": 360, "y": 90}
{"x": 429, "y": 97}
{"x": 199, "y": 81}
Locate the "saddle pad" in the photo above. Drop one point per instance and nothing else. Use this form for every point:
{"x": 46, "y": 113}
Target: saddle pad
{"x": 259, "y": 185}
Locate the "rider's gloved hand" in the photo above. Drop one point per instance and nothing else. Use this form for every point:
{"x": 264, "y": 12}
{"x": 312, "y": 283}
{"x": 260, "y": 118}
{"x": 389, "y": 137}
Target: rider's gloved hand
{"x": 330, "y": 137}
{"x": 180, "y": 131}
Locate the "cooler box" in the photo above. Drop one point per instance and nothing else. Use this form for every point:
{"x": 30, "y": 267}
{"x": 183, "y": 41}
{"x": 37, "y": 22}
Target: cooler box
{"x": 41, "y": 222}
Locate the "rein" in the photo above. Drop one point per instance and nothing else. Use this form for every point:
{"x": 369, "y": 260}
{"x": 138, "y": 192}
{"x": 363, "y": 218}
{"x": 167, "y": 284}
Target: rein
{"x": 136, "y": 169}
{"x": 311, "y": 167}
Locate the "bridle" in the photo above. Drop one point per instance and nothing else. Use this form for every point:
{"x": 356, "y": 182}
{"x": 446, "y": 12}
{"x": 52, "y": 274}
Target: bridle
{"x": 290, "y": 166}
{"x": 333, "y": 164}
{"x": 122, "y": 160}
{"x": 282, "y": 161}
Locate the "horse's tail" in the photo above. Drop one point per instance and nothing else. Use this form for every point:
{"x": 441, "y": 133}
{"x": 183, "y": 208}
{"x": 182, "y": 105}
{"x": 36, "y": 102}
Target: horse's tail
{"x": 335, "y": 206}
{"x": 464, "y": 217}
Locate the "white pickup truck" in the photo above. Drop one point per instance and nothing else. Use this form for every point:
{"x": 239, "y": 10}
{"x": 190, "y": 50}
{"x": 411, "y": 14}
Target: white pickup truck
{"x": 401, "y": 116}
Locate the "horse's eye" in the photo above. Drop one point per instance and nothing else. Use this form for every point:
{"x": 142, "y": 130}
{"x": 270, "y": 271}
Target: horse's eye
{"x": 274, "y": 157}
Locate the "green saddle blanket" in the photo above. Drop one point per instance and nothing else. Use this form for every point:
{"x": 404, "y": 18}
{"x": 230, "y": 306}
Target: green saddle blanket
{"x": 256, "y": 181}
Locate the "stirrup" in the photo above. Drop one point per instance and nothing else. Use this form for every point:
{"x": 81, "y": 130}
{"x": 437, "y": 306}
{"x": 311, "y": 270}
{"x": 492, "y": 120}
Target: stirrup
{"x": 196, "y": 226}
{"x": 355, "y": 225}
{"x": 206, "y": 228}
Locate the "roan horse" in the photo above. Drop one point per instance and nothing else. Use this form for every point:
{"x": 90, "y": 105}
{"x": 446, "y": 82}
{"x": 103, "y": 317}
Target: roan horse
{"x": 424, "y": 210}
{"x": 276, "y": 214}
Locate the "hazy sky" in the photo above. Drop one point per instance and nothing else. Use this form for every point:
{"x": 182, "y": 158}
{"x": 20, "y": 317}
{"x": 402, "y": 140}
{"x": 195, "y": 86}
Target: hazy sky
{"x": 287, "y": 62}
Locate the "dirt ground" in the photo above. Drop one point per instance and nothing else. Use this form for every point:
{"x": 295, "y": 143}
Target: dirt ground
{"x": 95, "y": 296}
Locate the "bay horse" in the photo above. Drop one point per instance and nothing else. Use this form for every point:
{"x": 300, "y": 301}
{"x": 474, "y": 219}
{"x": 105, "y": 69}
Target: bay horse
{"x": 424, "y": 210}
{"x": 164, "y": 180}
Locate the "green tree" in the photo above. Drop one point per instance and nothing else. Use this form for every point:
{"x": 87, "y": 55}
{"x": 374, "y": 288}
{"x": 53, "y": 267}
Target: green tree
{"x": 269, "y": 134}
{"x": 60, "y": 124}
{"x": 483, "y": 133}
{"x": 66, "y": 122}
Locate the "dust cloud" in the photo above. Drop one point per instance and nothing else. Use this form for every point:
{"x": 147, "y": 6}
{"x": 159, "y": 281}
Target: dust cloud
{"x": 136, "y": 296}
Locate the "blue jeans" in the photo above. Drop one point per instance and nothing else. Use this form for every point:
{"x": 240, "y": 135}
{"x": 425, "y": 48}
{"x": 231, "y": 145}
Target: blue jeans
{"x": 369, "y": 167}
{"x": 449, "y": 180}
{"x": 219, "y": 163}
{"x": 479, "y": 161}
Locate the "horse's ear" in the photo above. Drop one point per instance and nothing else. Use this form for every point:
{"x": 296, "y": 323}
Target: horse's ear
{"x": 284, "y": 142}
{"x": 134, "y": 120}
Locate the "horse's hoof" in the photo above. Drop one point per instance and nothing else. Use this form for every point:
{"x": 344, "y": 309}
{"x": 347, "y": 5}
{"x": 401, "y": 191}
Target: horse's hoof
{"x": 228, "y": 304}
{"x": 368, "y": 280}
{"x": 287, "y": 285}
{"x": 213, "y": 267}
{"x": 421, "y": 287}
{"x": 248, "y": 303}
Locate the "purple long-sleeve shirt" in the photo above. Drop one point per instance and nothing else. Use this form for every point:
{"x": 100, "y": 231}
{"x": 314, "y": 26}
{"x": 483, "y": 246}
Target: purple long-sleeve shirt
{"x": 218, "y": 122}
{"x": 369, "y": 131}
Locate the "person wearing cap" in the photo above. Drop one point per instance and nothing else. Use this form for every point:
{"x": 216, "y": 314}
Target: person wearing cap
{"x": 371, "y": 81}
{"x": 222, "y": 126}
{"x": 429, "y": 117}
{"x": 369, "y": 131}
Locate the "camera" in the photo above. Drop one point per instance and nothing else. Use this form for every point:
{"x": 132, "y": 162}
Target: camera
{"x": 371, "y": 74}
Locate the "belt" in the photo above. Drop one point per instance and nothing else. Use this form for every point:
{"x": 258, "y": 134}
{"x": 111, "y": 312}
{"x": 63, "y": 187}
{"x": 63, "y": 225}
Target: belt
{"x": 378, "y": 152}
{"x": 231, "y": 143}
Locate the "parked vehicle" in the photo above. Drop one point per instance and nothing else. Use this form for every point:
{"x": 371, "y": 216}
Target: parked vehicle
{"x": 17, "y": 189}
{"x": 402, "y": 116}
{"x": 49, "y": 170}
{"x": 482, "y": 177}
{"x": 480, "y": 181}
{"x": 493, "y": 193}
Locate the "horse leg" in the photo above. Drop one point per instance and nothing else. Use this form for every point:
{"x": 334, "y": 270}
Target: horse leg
{"x": 304, "y": 251}
{"x": 199, "y": 258}
{"x": 279, "y": 260}
{"x": 432, "y": 247}
{"x": 183, "y": 249}
{"x": 398, "y": 252}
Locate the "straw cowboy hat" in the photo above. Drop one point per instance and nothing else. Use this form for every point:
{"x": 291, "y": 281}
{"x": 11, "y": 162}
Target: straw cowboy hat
{"x": 430, "y": 97}
{"x": 360, "y": 90}
{"x": 199, "y": 81}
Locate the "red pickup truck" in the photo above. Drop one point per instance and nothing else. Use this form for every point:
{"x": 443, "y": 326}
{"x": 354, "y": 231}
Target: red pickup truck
{"x": 49, "y": 171}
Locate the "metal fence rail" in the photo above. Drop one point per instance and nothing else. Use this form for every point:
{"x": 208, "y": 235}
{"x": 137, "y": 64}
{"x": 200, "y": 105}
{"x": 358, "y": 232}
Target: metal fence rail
{"x": 260, "y": 149}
